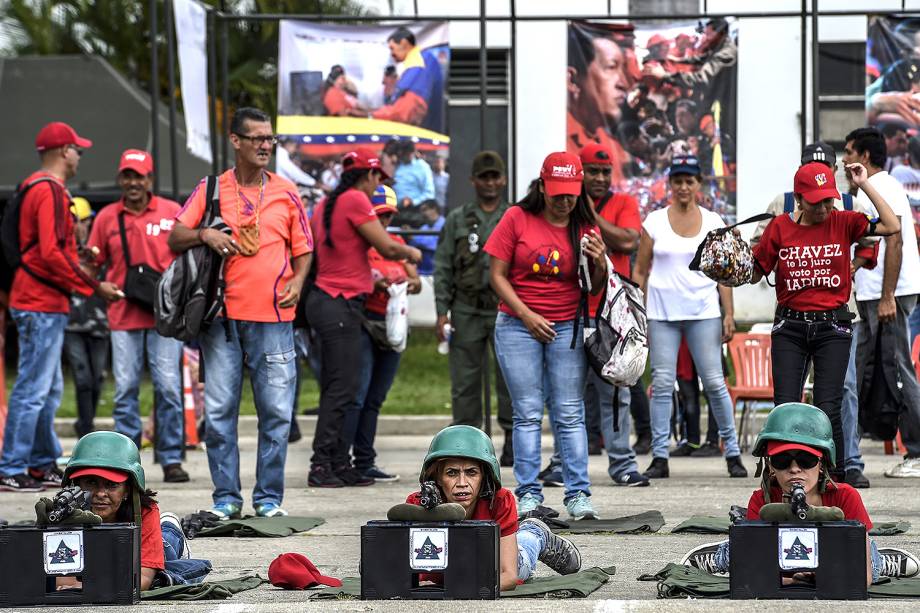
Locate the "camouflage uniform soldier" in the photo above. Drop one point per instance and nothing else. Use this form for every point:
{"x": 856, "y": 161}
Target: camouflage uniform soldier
{"x": 461, "y": 285}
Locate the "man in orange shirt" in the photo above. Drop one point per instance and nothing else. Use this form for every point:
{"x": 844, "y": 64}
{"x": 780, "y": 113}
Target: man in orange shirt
{"x": 39, "y": 304}
{"x": 266, "y": 259}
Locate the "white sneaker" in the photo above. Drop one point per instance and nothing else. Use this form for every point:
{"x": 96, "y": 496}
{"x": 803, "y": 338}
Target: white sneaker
{"x": 527, "y": 503}
{"x": 703, "y": 558}
{"x": 579, "y": 507}
{"x": 898, "y": 563}
{"x": 172, "y": 518}
{"x": 910, "y": 467}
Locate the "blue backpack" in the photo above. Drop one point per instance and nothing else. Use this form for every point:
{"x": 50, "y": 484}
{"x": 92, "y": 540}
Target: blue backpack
{"x": 789, "y": 202}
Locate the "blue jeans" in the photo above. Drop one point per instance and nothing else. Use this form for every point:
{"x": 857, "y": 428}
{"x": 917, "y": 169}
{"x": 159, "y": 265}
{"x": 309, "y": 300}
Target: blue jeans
{"x": 535, "y": 373}
{"x": 267, "y": 350}
{"x": 723, "y": 557}
{"x": 29, "y": 440}
{"x": 378, "y": 370}
{"x": 163, "y": 356}
{"x": 620, "y": 455}
{"x": 704, "y": 337}
{"x": 178, "y": 570}
{"x": 849, "y": 414}
{"x": 530, "y": 542}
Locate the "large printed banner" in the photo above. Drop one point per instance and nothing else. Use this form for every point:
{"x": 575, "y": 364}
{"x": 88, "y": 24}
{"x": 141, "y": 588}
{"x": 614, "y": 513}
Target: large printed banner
{"x": 893, "y": 72}
{"x": 341, "y": 86}
{"x": 192, "y": 36}
{"x": 650, "y": 92}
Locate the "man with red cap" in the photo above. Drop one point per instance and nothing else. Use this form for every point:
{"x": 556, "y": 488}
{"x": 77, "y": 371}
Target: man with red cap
{"x": 129, "y": 233}
{"x": 48, "y": 273}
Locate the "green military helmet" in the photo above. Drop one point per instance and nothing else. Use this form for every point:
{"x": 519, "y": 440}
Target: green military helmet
{"x": 462, "y": 442}
{"x": 797, "y": 422}
{"x": 107, "y": 450}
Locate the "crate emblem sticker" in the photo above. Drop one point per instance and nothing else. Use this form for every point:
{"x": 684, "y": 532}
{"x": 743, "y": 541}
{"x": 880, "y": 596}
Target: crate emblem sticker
{"x": 63, "y": 552}
{"x": 798, "y": 548}
{"x": 428, "y": 548}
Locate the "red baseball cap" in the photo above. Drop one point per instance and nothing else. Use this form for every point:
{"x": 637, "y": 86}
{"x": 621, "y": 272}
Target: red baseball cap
{"x": 815, "y": 182}
{"x": 562, "y": 174}
{"x": 115, "y": 476}
{"x": 137, "y": 160}
{"x": 293, "y": 571}
{"x": 775, "y": 447}
{"x": 58, "y": 134}
{"x": 595, "y": 153}
{"x": 363, "y": 158}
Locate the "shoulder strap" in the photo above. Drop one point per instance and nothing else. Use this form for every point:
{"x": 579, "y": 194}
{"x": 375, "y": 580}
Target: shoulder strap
{"x": 212, "y": 201}
{"x": 847, "y": 202}
{"x": 124, "y": 239}
{"x": 752, "y": 219}
{"x": 788, "y": 203}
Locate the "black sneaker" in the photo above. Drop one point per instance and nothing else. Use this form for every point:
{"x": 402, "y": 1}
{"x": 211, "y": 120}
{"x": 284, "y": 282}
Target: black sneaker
{"x": 20, "y": 483}
{"x": 173, "y": 473}
{"x": 658, "y": 469}
{"x": 855, "y": 478}
{"x": 507, "y": 457}
{"x": 559, "y": 553}
{"x": 381, "y": 476}
{"x": 631, "y": 479}
{"x": 352, "y": 477}
{"x": 706, "y": 450}
{"x": 643, "y": 444}
{"x": 52, "y": 475}
{"x": 683, "y": 451}
{"x": 898, "y": 563}
{"x": 735, "y": 467}
{"x": 322, "y": 476}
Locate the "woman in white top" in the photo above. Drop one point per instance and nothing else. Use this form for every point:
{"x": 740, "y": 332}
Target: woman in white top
{"x": 682, "y": 302}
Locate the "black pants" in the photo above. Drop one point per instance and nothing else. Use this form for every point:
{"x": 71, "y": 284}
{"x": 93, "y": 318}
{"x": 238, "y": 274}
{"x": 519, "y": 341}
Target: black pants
{"x": 592, "y": 412}
{"x": 827, "y": 345}
{"x": 337, "y": 323}
{"x": 86, "y": 355}
{"x": 638, "y": 408}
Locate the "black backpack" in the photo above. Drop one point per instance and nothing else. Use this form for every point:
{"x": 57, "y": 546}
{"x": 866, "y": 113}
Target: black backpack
{"x": 13, "y": 251}
{"x": 190, "y": 294}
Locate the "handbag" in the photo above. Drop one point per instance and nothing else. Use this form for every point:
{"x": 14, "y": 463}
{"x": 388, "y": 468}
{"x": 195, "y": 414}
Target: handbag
{"x": 140, "y": 280}
{"x": 726, "y": 258}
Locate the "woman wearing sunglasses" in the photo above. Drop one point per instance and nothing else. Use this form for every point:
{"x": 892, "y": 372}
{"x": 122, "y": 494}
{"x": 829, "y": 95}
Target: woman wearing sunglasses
{"x": 796, "y": 447}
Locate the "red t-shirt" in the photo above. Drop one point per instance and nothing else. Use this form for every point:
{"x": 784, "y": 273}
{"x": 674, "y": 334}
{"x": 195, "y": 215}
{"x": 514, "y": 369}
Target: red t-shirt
{"x": 343, "y": 269}
{"x": 255, "y": 283}
{"x": 391, "y": 270}
{"x": 621, "y": 210}
{"x": 46, "y": 222}
{"x": 812, "y": 263}
{"x": 503, "y": 510}
{"x": 542, "y": 264}
{"x": 842, "y": 496}
{"x": 147, "y": 233}
{"x": 151, "y": 538}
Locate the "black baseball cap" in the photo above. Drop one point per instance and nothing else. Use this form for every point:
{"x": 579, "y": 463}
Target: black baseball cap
{"x": 819, "y": 152}
{"x": 487, "y": 161}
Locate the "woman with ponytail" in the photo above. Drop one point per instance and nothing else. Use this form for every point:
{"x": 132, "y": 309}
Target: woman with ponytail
{"x": 535, "y": 250}
{"x": 344, "y": 227}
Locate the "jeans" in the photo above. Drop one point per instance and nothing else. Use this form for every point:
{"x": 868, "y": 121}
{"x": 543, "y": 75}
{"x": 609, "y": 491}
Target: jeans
{"x": 267, "y": 350}
{"x": 29, "y": 440}
{"x": 378, "y": 370}
{"x": 337, "y": 324}
{"x": 827, "y": 343}
{"x": 180, "y": 571}
{"x": 535, "y": 372}
{"x": 86, "y": 355}
{"x": 620, "y": 455}
{"x": 723, "y": 558}
{"x": 704, "y": 337}
{"x": 913, "y": 322}
{"x": 163, "y": 359}
{"x": 530, "y": 542}
{"x": 849, "y": 414}
{"x": 909, "y": 423}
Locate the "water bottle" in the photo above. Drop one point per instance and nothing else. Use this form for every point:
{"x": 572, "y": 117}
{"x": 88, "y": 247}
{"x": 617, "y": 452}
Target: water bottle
{"x": 444, "y": 346}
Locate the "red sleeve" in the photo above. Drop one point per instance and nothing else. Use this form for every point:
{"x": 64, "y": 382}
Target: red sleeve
{"x": 755, "y": 504}
{"x": 857, "y": 225}
{"x": 869, "y": 253}
{"x": 409, "y": 108}
{"x": 151, "y": 539}
{"x": 626, "y": 213}
{"x": 193, "y": 210}
{"x": 98, "y": 237}
{"x": 358, "y": 208}
{"x": 850, "y": 502}
{"x": 765, "y": 251}
{"x": 301, "y": 236}
{"x": 505, "y": 513}
{"x": 503, "y": 238}
{"x": 334, "y": 101}
{"x": 56, "y": 243}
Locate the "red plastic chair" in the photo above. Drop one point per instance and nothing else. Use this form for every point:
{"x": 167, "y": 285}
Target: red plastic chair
{"x": 753, "y": 380}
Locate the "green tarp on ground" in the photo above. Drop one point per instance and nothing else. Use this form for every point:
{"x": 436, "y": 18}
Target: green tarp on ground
{"x": 209, "y": 590}
{"x": 706, "y": 524}
{"x": 649, "y": 521}
{"x": 263, "y": 526}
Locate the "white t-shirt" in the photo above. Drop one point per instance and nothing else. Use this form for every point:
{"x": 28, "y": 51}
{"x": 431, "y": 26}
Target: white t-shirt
{"x": 869, "y": 282}
{"x": 676, "y": 293}
{"x": 909, "y": 178}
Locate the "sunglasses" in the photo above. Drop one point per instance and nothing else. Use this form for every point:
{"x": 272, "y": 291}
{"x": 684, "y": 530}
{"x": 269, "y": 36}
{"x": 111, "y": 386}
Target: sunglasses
{"x": 77, "y": 149}
{"x": 258, "y": 141}
{"x": 805, "y": 460}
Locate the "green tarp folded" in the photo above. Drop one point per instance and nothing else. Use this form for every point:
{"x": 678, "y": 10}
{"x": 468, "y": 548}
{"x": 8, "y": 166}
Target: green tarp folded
{"x": 649, "y": 521}
{"x": 705, "y": 524}
{"x": 209, "y": 590}
{"x": 263, "y": 526}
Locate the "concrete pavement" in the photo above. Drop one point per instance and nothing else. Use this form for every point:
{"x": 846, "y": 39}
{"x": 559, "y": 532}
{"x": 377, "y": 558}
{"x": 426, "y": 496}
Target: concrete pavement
{"x": 697, "y": 486}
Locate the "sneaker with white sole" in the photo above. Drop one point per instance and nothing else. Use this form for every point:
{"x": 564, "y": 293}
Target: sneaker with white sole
{"x": 171, "y": 518}
{"x": 703, "y": 558}
{"x": 579, "y": 507}
{"x": 899, "y": 564}
{"x": 632, "y": 479}
{"x": 269, "y": 509}
{"x": 910, "y": 467}
{"x": 558, "y": 553}
{"x": 20, "y": 483}
{"x": 527, "y": 503}
{"x": 378, "y": 475}
{"x": 226, "y": 510}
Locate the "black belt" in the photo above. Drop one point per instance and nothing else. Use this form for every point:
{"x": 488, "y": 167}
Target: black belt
{"x": 841, "y": 313}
